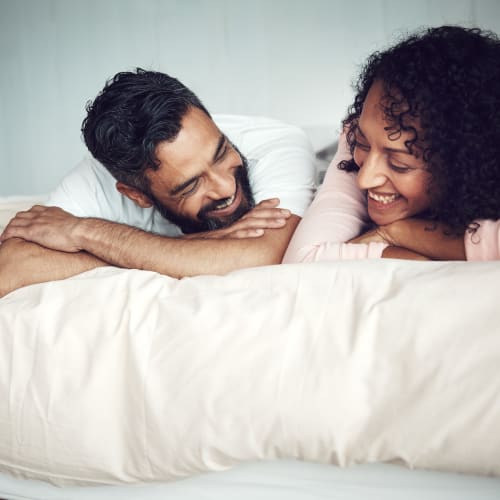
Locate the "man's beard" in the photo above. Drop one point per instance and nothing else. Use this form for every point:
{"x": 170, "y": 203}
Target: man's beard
{"x": 207, "y": 222}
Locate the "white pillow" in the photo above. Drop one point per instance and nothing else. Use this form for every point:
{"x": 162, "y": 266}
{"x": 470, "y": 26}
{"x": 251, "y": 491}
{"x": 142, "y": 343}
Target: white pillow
{"x": 123, "y": 376}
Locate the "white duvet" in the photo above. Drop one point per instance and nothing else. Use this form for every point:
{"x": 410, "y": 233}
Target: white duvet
{"x": 123, "y": 376}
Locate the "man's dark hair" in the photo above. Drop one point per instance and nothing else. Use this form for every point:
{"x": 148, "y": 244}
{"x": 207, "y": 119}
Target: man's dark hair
{"x": 128, "y": 119}
{"x": 442, "y": 86}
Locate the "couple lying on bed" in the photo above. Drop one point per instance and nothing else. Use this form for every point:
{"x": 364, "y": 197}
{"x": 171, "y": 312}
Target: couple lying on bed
{"x": 169, "y": 189}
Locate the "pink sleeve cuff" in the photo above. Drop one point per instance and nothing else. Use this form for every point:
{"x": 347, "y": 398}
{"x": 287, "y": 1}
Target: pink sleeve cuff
{"x": 328, "y": 251}
{"x": 484, "y": 244}
{"x": 362, "y": 251}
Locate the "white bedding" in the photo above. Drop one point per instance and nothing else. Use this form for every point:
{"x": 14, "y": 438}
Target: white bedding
{"x": 278, "y": 480}
{"x": 119, "y": 376}
{"x": 122, "y": 376}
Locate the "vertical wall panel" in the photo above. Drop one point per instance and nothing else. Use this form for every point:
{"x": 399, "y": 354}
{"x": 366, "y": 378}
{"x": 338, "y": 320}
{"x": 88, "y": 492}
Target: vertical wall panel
{"x": 290, "y": 59}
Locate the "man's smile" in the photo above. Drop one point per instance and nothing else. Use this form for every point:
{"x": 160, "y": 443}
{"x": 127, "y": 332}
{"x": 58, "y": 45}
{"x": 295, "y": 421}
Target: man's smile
{"x": 225, "y": 203}
{"x": 226, "y": 206}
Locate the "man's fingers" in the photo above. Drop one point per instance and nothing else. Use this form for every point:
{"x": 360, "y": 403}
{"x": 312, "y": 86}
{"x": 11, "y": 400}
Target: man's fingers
{"x": 32, "y": 212}
{"x": 23, "y": 216}
{"x": 258, "y": 223}
{"x": 268, "y": 213}
{"x": 38, "y": 208}
{"x": 246, "y": 233}
{"x": 269, "y": 203}
{"x": 12, "y": 231}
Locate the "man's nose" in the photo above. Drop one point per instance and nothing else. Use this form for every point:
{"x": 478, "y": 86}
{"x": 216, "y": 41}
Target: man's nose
{"x": 372, "y": 172}
{"x": 222, "y": 185}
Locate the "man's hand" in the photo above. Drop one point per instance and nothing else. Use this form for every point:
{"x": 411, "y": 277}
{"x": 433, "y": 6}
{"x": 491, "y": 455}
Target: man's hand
{"x": 265, "y": 215}
{"x": 50, "y": 227}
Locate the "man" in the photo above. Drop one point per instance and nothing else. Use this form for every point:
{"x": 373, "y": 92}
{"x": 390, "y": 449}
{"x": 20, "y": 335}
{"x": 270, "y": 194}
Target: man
{"x": 168, "y": 190}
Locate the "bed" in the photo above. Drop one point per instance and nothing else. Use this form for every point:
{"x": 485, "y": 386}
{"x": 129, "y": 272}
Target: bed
{"x": 345, "y": 380}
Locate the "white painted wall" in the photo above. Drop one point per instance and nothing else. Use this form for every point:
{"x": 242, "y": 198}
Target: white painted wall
{"x": 289, "y": 59}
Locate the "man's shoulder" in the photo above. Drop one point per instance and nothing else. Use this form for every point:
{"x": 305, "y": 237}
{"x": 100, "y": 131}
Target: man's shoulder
{"x": 91, "y": 170}
{"x": 86, "y": 190}
{"x": 246, "y": 123}
{"x": 89, "y": 190}
{"x": 87, "y": 173}
{"x": 258, "y": 137}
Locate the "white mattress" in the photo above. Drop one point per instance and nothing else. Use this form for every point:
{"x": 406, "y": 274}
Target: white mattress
{"x": 279, "y": 480}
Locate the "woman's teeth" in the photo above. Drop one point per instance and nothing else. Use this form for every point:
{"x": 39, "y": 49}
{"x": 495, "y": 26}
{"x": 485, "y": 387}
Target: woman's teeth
{"x": 384, "y": 199}
{"x": 225, "y": 203}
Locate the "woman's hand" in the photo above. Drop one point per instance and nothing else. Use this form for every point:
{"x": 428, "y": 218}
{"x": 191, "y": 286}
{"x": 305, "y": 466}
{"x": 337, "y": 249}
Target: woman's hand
{"x": 377, "y": 235}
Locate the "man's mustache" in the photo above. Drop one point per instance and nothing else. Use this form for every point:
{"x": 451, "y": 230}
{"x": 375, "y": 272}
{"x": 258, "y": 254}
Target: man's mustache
{"x": 213, "y": 205}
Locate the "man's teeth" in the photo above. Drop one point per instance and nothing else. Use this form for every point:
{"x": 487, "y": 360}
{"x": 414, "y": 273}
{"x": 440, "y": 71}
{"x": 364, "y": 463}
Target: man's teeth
{"x": 384, "y": 199}
{"x": 225, "y": 203}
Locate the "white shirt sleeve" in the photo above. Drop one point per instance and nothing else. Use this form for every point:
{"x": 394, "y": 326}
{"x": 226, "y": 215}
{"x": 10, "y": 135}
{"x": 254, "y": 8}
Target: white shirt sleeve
{"x": 89, "y": 190}
{"x": 283, "y": 165}
{"x": 79, "y": 192}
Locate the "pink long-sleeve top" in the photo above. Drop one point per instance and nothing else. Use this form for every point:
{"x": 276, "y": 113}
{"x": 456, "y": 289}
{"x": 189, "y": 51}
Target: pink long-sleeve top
{"x": 338, "y": 213}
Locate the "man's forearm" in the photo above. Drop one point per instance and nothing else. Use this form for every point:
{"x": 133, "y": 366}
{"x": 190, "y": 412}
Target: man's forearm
{"x": 24, "y": 263}
{"x": 129, "y": 247}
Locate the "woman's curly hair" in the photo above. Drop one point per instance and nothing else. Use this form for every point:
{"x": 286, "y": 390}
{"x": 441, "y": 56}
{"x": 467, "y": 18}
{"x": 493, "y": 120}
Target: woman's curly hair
{"x": 443, "y": 86}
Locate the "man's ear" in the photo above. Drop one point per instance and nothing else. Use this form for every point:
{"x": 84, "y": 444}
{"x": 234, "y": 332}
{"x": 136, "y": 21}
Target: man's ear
{"x": 135, "y": 195}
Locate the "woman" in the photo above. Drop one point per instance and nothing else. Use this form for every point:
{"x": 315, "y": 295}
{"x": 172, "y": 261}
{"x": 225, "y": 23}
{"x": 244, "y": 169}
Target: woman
{"x": 417, "y": 173}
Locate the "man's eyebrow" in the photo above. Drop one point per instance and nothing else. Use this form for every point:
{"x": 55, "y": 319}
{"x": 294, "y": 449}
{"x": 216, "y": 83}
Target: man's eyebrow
{"x": 184, "y": 185}
{"x": 220, "y": 144}
{"x": 390, "y": 150}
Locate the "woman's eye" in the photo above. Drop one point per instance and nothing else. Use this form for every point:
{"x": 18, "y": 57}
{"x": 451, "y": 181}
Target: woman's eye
{"x": 360, "y": 145}
{"x": 399, "y": 170}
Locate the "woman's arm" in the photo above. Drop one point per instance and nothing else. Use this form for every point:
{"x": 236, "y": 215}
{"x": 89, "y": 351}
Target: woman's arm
{"x": 425, "y": 238}
{"x": 336, "y": 215}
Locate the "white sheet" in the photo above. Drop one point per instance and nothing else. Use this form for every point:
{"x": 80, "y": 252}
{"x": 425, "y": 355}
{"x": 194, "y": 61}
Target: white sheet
{"x": 124, "y": 376}
{"x": 280, "y": 480}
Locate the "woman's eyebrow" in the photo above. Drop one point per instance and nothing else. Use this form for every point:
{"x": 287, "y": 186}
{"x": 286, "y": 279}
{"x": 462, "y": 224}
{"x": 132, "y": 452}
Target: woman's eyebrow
{"x": 390, "y": 150}
{"x": 397, "y": 150}
{"x": 358, "y": 129}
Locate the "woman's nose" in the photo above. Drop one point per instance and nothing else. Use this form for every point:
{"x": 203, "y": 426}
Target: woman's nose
{"x": 371, "y": 173}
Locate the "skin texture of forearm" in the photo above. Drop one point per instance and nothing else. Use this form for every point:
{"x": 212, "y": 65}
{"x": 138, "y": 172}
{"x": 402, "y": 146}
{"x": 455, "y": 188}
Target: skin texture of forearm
{"x": 416, "y": 236}
{"x": 24, "y": 263}
{"x": 129, "y": 247}
{"x": 402, "y": 253}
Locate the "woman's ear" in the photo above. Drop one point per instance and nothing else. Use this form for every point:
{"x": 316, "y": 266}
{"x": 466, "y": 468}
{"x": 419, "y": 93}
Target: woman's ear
{"x": 138, "y": 197}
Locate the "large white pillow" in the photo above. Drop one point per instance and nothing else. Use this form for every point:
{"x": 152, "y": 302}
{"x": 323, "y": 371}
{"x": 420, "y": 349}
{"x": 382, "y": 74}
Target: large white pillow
{"x": 123, "y": 376}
